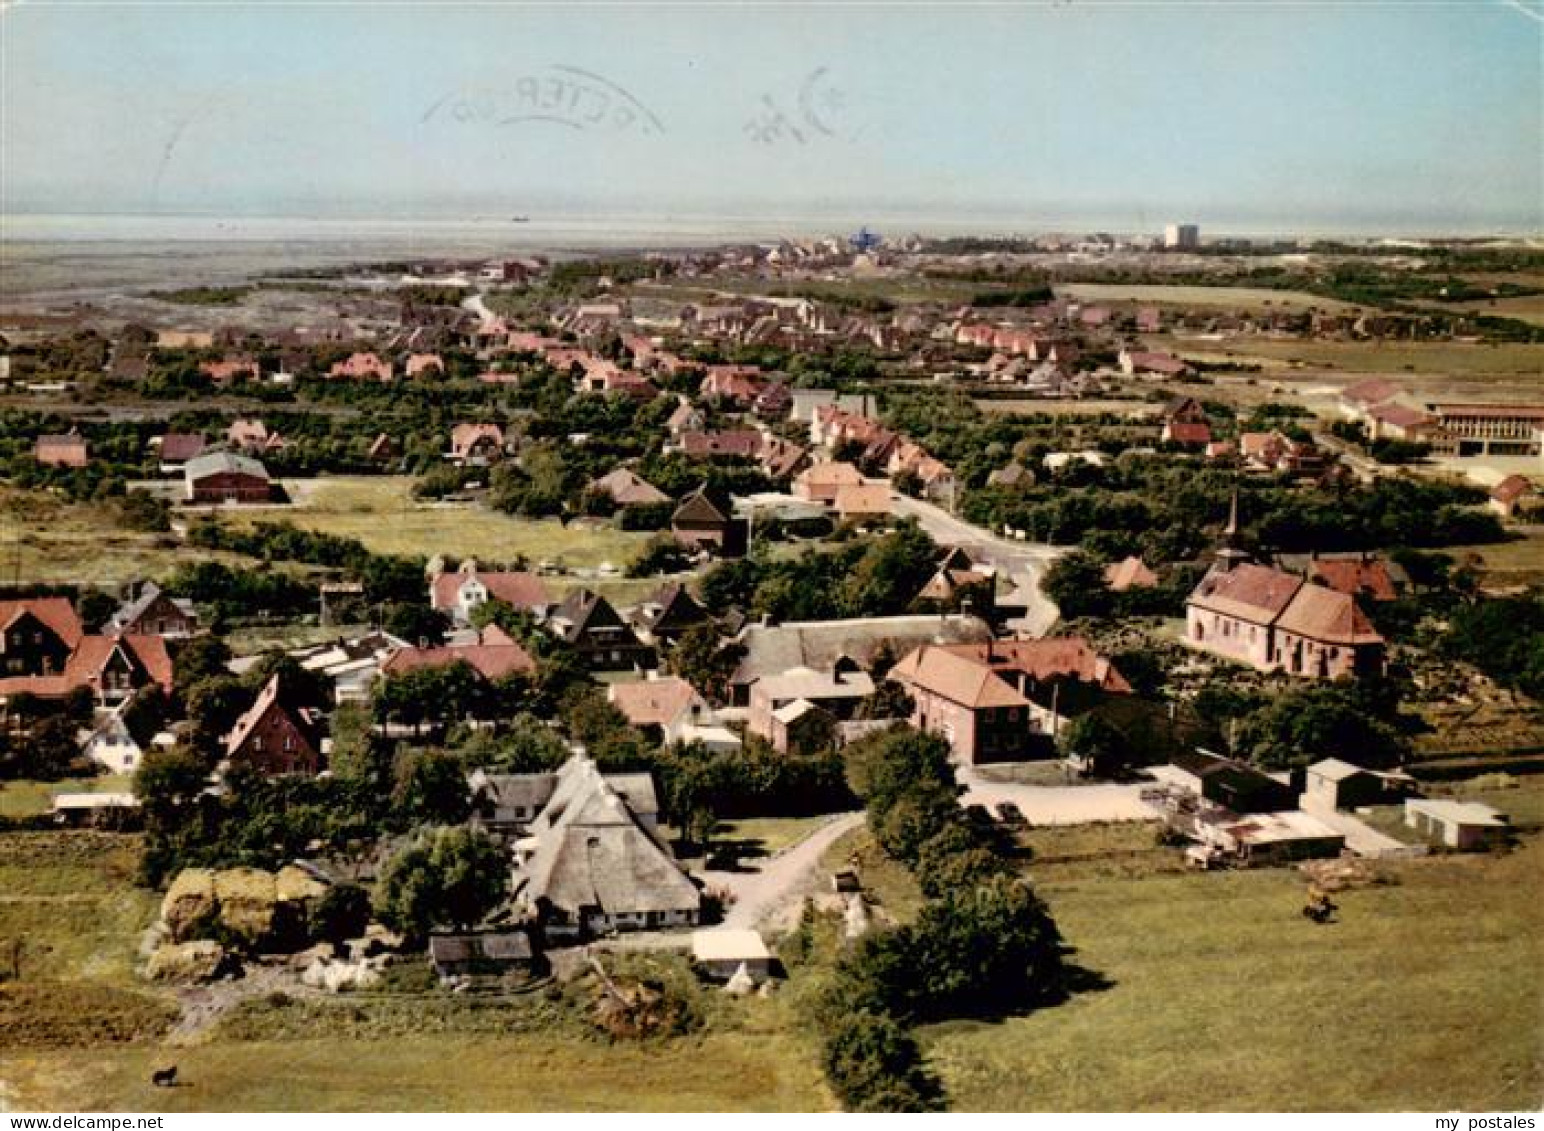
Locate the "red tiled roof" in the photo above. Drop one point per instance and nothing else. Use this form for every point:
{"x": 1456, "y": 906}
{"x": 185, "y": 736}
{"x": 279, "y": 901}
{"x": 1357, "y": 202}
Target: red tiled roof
{"x": 1355, "y": 577}
{"x": 1132, "y": 573}
{"x": 522, "y": 590}
{"x": 1512, "y": 488}
{"x": 495, "y": 656}
{"x": 652, "y": 702}
{"x": 56, "y": 612}
{"x": 1051, "y": 657}
{"x": 1188, "y": 431}
{"x": 959, "y": 679}
{"x": 1249, "y": 592}
{"x": 1324, "y": 615}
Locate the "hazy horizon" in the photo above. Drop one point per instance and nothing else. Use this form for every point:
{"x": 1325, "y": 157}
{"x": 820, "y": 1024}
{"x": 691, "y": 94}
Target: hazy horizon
{"x": 1278, "y": 118}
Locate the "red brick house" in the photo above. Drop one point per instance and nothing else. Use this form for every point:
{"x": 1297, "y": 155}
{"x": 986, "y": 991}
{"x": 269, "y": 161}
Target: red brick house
{"x": 275, "y": 736}
{"x": 1004, "y": 700}
{"x": 224, "y": 477}
{"x": 366, "y": 366}
{"x": 68, "y": 450}
{"x": 37, "y": 635}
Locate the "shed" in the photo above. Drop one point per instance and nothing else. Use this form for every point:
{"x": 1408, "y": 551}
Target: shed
{"x": 1464, "y": 825}
{"x": 722, "y": 951}
{"x": 1333, "y": 784}
{"x": 486, "y": 954}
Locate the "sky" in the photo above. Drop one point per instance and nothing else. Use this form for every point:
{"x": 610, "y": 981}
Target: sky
{"x": 1248, "y": 116}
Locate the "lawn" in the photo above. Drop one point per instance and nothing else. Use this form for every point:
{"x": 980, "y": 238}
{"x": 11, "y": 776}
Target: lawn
{"x": 29, "y": 798}
{"x": 46, "y": 540}
{"x": 1424, "y": 995}
{"x": 1503, "y": 564}
{"x": 1233, "y": 298}
{"x": 1442, "y": 361}
{"x": 714, "y": 1072}
{"x": 381, "y": 512}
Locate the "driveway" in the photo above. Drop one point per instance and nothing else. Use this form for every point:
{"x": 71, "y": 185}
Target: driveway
{"x": 1060, "y": 805}
{"x": 779, "y": 883}
{"x": 1022, "y": 563}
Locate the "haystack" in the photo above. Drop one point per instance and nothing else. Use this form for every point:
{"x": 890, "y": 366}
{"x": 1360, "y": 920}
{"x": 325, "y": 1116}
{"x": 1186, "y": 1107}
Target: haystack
{"x": 189, "y": 903}
{"x": 201, "y": 961}
{"x": 247, "y": 899}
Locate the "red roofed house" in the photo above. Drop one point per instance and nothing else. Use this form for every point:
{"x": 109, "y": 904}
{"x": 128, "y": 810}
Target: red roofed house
{"x": 252, "y": 436}
{"x": 669, "y": 704}
{"x": 44, "y": 652}
{"x": 471, "y": 443}
{"x": 1357, "y": 399}
{"x": 1512, "y": 494}
{"x": 1365, "y": 577}
{"x": 275, "y": 736}
{"x": 1132, "y": 573}
{"x": 460, "y": 592}
{"x": 229, "y": 369}
{"x": 820, "y": 482}
{"x": 1133, "y": 362}
{"x": 740, "y": 384}
{"x": 68, "y": 450}
{"x": 738, "y": 444}
{"x": 362, "y": 365}
{"x": 1004, "y": 700}
{"x": 495, "y": 656}
{"x": 37, "y": 635}
{"x": 422, "y": 364}
{"x": 1275, "y": 621}
{"x": 176, "y": 448}
{"x": 1399, "y": 422}
{"x": 1184, "y": 422}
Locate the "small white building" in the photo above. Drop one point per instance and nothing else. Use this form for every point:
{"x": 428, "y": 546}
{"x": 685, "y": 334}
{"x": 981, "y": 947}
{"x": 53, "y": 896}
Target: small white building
{"x": 722, "y": 951}
{"x": 1464, "y": 825}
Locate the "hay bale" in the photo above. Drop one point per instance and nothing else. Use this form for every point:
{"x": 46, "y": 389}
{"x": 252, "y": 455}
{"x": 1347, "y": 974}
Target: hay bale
{"x": 296, "y": 885}
{"x": 200, "y": 961}
{"x": 189, "y": 904}
{"x": 247, "y": 899}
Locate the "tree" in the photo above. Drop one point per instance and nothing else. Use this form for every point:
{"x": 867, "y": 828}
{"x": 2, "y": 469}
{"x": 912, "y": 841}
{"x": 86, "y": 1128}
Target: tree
{"x": 874, "y": 1065}
{"x": 703, "y": 660}
{"x": 430, "y": 789}
{"x": 1076, "y": 583}
{"x": 1097, "y": 743}
{"x": 1325, "y": 720}
{"x": 445, "y": 877}
{"x": 342, "y": 913}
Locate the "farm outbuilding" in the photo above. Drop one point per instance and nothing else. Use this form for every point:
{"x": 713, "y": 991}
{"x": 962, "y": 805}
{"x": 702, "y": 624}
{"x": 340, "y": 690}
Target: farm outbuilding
{"x": 723, "y": 951}
{"x": 1464, "y": 825}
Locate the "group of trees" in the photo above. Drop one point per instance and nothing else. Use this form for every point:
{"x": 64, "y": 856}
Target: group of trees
{"x": 983, "y": 945}
{"x": 866, "y": 577}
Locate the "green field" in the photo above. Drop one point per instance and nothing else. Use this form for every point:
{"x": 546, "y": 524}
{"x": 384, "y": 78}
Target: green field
{"x": 381, "y": 512}
{"x": 47, "y": 540}
{"x": 29, "y": 798}
{"x": 1440, "y": 360}
{"x": 714, "y": 1072}
{"x": 1232, "y": 298}
{"x": 1422, "y": 996}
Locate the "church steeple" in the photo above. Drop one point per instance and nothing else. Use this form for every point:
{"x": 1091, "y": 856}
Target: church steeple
{"x": 1229, "y": 554}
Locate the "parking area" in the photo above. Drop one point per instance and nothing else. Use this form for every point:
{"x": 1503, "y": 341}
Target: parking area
{"x": 1059, "y": 805}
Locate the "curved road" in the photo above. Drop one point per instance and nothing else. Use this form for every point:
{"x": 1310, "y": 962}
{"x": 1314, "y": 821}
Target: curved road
{"x": 782, "y": 880}
{"x": 1024, "y": 563}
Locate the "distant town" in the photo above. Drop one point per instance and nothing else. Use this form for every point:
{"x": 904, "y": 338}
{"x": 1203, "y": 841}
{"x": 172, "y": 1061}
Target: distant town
{"x": 876, "y": 671}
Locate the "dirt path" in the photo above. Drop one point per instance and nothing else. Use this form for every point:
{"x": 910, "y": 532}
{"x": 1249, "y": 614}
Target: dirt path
{"x": 780, "y": 883}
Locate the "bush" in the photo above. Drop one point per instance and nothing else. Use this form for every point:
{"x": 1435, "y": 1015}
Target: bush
{"x": 874, "y": 1065}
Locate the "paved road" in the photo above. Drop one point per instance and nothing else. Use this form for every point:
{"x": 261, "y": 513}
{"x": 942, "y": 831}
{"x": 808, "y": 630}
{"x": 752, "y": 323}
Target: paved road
{"x": 1060, "y": 805}
{"x": 1024, "y": 563}
{"x": 474, "y": 302}
{"x": 781, "y": 881}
